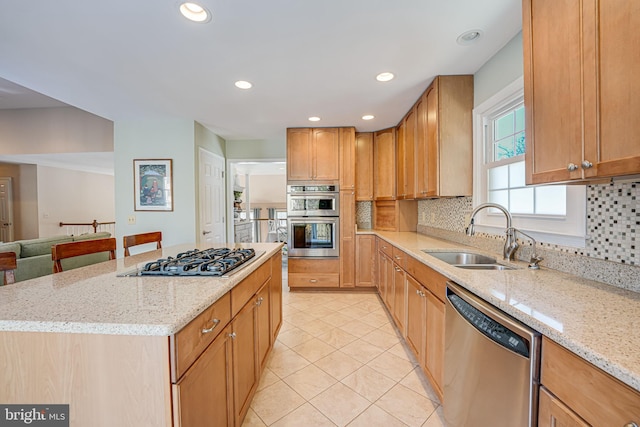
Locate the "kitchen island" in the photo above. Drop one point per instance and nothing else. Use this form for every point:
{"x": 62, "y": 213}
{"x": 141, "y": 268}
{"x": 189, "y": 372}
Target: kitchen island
{"x": 141, "y": 351}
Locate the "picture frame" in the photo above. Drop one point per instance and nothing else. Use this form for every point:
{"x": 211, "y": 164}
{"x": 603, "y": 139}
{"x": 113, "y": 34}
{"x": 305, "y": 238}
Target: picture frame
{"x": 153, "y": 184}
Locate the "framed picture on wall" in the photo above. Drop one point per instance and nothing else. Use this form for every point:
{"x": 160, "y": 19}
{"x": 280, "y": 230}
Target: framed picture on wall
{"x": 153, "y": 184}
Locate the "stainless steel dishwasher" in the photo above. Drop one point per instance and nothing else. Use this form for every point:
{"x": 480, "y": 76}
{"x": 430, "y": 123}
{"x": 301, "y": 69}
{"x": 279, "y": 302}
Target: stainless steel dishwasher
{"x": 491, "y": 375}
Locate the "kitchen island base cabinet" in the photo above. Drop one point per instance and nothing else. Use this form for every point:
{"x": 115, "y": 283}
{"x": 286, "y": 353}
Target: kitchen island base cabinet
{"x": 204, "y": 375}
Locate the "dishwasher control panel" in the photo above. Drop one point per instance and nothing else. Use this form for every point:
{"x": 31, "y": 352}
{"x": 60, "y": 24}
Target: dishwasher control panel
{"x": 489, "y": 327}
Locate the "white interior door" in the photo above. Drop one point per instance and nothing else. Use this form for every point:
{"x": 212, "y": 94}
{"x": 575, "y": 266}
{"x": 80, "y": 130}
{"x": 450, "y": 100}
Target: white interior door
{"x": 6, "y": 210}
{"x": 212, "y": 198}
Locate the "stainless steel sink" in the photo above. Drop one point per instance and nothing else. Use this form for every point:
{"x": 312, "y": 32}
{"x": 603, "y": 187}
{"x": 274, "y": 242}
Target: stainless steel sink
{"x": 461, "y": 258}
{"x": 468, "y": 260}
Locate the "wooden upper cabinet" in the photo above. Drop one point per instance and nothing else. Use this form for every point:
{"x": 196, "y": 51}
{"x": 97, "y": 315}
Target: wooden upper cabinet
{"x": 406, "y": 156}
{"x": 384, "y": 164}
{"x": 364, "y": 166}
{"x": 444, "y": 138}
{"x": 313, "y": 154}
{"x": 580, "y": 67}
{"x": 347, "y": 159}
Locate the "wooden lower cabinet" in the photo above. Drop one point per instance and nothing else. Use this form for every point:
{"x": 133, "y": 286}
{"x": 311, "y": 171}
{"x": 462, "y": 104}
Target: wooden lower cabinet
{"x": 434, "y": 355}
{"x": 553, "y": 413}
{"x": 365, "y": 260}
{"x": 275, "y": 300}
{"x": 204, "y": 395}
{"x": 245, "y": 365}
{"x": 263, "y": 324}
{"x": 584, "y": 390}
{"x": 416, "y": 318}
{"x": 313, "y": 273}
{"x": 400, "y": 292}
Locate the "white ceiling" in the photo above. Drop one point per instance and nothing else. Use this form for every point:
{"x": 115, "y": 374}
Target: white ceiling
{"x": 122, "y": 59}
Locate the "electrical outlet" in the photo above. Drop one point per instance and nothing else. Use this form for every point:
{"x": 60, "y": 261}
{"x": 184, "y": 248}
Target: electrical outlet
{"x": 131, "y": 220}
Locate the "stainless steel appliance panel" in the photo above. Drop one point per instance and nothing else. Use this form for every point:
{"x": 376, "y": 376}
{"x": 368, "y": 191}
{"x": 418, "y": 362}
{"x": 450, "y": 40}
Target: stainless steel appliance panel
{"x": 491, "y": 375}
{"x": 314, "y": 237}
{"x": 313, "y": 200}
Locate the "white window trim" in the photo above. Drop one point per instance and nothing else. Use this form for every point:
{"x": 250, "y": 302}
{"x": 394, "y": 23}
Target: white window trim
{"x": 569, "y": 231}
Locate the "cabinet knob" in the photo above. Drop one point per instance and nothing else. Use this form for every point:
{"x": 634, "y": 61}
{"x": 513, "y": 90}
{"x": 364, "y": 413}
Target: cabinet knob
{"x": 216, "y": 322}
{"x": 631, "y": 424}
{"x": 232, "y": 335}
{"x": 586, "y": 164}
{"x": 572, "y": 167}
{"x": 259, "y": 301}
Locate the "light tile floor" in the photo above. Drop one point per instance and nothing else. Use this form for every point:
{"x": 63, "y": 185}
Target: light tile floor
{"x": 339, "y": 361}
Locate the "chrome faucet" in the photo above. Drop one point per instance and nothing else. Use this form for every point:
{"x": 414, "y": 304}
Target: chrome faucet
{"x": 510, "y": 243}
{"x": 535, "y": 258}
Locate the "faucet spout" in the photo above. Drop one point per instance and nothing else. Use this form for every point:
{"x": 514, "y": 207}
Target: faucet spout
{"x": 510, "y": 244}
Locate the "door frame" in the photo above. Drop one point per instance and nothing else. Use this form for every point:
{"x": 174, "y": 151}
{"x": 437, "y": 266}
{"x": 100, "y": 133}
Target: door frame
{"x": 9, "y": 204}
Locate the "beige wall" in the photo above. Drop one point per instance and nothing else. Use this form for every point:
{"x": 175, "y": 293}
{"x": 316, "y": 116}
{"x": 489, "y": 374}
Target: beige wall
{"x": 54, "y": 130}
{"x": 73, "y": 196}
{"x": 25, "y": 199}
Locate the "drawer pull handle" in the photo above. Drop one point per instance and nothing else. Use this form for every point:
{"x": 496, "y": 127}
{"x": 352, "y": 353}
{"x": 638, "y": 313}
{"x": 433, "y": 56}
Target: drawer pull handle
{"x": 572, "y": 167}
{"x": 313, "y": 280}
{"x": 216, "y": 322}
{"x": 631, "y": 424}
{"x": 398, "y": 269}
{"x": 397, "y": 257}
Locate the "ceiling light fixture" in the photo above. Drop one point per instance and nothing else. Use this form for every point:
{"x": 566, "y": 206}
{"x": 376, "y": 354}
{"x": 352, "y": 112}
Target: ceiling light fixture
{"x": 241, "y": 84}
{"x": 384, "y": 77}
{"x": 469, "y": 37}
{"x": 194, "y": 12}
{"x": 368, "y": 117}
{"x": 314, "y": 119}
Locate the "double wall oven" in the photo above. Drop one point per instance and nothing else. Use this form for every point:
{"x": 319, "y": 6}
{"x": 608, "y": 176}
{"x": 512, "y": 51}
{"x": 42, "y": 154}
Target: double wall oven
{"x": 313, "y": 212}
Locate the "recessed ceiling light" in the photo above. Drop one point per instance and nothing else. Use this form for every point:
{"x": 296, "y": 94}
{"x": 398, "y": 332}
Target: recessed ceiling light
{"x": 194, "y": 12}
{"x": 384, "y": 77}
{"x": 314, "y": 119}
{"x": 469, "y": 37}
{"x": 368, "y": 117}
{"x": 241, "y": 84}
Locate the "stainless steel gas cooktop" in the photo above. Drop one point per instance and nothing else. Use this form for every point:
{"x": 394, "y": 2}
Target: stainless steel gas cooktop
{"x": 216, "y": 262}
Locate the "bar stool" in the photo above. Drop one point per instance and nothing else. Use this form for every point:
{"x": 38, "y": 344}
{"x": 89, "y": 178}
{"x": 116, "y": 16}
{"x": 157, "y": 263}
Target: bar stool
{"x": 8, "y": 265}
{"x": 84, "y": 247}
{"x": 141, "y": 239}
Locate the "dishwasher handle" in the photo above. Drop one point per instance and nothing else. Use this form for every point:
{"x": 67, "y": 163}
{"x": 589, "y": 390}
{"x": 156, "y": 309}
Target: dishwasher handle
{"x": 490, "y": 328}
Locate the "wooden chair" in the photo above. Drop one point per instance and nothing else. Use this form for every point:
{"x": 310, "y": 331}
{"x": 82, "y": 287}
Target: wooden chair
{"x": 84, "y": 247}
{"x": 141, "y": 239}
{"x": 7, "y": 265}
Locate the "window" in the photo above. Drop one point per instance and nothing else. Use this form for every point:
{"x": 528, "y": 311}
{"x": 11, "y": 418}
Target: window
{"x": 552, "y": 213}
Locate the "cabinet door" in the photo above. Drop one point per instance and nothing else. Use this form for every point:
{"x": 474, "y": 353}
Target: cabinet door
{"x": 432, "y": 151}
{"x": 276, "y": 295}
{"x": 325, "y": 154}
{"x": 390, "y": 288}
{"x": 347, "y": 239}
{"x": 406, "y": 157}
{"x": 421, "y": 146}
{"x": 384, "y": 165}
{"x": 416, "y": 317}
{"x": 364, "y": 166}
{"x": 299, "y": 154}
{"x": 553, "y": 413}
{"x": 553, "y": 98}
{"x": 263, "y": 324}
{"x": 434, "y": 356}
{"x": 204, "y": 395}
{"x": 365, "y": 260}
{"x": 245, "y": 367}
{"x": 347, "y": 159}
{"x": 400, "y": 291}
{"x": 616, "y": 148}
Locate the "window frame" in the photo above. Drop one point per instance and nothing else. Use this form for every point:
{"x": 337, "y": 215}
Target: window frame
{"x": 569, "y": 230}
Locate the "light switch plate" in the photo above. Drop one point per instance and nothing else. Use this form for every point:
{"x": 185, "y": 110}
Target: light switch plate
{"x": 131, "y": 220}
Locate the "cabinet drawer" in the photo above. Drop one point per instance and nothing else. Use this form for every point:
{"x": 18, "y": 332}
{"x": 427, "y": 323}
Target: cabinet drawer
{"x": 385, "y": 247}
{"x": 246, "y": 289}
{"x": 435, "y": 282}
{"x": 313, "y": 265}
{"x": 191, "y": 341}
{"x": 594, "y": 395}
{"x": 301, "y": 280}
{"x": 399, "y": 257}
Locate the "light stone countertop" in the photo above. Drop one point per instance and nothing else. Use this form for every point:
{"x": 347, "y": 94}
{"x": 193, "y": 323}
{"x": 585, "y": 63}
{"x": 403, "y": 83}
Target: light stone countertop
{"x": 598, "y": 322}
{"x": 94, "y": 300}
